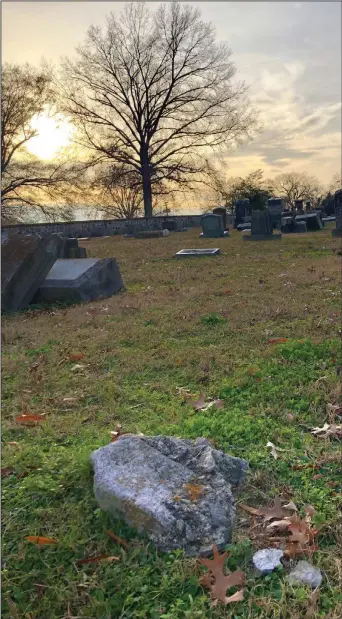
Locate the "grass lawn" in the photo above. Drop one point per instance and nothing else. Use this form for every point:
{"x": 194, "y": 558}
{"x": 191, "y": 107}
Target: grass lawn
{"x": 203, "y": 324}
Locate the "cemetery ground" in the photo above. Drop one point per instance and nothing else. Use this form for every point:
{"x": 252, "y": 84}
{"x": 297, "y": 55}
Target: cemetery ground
{"x": 259, "y": 327}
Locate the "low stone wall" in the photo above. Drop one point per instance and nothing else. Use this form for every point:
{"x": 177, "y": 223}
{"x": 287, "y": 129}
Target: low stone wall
{"x": 110, "y": 227}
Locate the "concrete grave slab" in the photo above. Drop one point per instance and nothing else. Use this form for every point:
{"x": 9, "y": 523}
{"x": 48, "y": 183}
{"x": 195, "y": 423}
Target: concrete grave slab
{"x": 26, "y": 260}
{"x": 80, "y": 280}
{"x": 196, "y": 253}
{"x": 149, "y": 234}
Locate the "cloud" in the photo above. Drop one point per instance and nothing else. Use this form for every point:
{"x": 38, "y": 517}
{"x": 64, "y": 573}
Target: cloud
{"x": 297, "y": 132}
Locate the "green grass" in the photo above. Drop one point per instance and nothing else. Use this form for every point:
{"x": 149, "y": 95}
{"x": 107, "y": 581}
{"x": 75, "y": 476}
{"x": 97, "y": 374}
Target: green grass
{"x": 203, "y": 325}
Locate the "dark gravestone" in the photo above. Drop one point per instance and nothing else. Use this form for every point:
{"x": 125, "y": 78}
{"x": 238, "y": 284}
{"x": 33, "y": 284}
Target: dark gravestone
{"x": 212, "y": 226}
{"x": 196, "y": 253}
{"x": 338, "y": 214}
{"x": 240, "y": 212}
{"x": 275, "y": 207}
{"x": 80, "y": 280}
{"x": 219, "y": 210}
{"x": 169, "y": 224}
{"x": 149, "y": 234}
{"x": 313, "y": 221}
{"x": 299, "y": 205}
{"x": 261, "y": 227}
{"x": 26, "y": 260}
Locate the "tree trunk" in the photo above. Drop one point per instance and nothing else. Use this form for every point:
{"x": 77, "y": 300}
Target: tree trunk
{"x": 146, "y": 178}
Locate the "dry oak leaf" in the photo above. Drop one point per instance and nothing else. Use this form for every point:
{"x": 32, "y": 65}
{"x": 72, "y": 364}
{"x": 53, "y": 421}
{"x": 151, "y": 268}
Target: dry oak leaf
{"x": 29, "y": 419}
{"x": 222, "y": 582}
{"x": 274, "y": 449}
{"x": 327, "y": 430}
{"x": 277, "y": 340}
{"x": 76, "y": 356}
{"x": 41, "y": 541}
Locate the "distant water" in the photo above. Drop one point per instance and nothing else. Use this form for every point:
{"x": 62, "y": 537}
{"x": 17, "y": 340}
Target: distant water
{"x": 86, "y": 213}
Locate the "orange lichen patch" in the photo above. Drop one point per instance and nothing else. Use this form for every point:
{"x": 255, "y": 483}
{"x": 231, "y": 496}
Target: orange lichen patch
{"x": 194, "y": 491}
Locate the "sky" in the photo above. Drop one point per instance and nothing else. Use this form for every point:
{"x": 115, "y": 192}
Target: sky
{"x": 289, "y": 53}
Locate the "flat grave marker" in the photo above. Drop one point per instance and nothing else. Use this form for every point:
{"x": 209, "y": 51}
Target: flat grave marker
{"x": 196, "y": 253}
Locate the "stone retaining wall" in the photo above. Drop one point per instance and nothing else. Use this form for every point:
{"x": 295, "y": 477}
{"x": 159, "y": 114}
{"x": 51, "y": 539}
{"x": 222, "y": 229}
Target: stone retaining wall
{"x": 79, "y": 229}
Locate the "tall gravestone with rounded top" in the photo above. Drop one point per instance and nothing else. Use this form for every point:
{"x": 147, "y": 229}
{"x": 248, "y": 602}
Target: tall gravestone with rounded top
{"x": 337, "y": 232}
{"x": 261, "y": 227}
{"x": 220, "y": 210}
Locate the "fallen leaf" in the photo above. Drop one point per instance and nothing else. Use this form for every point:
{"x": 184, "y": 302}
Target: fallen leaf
{"x": 217, "y": 403}
{"x": 70, "y": 400}
{"x": 222, "y": 582}
{"x": 76, "y": 356}
{"x": 318, "y": 476}
{"x": 274, "y": 449}
{"x": 41, "y": 541}
{"x": 8, "y": 470}
{"x": 277, "y": 511}
{"x": 29, "y": 419}
{"x": 115, "y": 434}
{"x": 251, "y": 510}
{"x": 327, "y": 430}
{"x": 13, "y": 443}
{"x": 215, "y": 565}
{"x": 292, "y": 506}
{"x": 236, "y": 597}
{"x": 200, "y": 403}
{"x": 34, "y": 367}
{"x": 310, "y": 510}
{"x": 97, "y": 559}
{"x": 277, "y": 340}
{"x": 76, "y": 367}
{"x": 118, "y": 539}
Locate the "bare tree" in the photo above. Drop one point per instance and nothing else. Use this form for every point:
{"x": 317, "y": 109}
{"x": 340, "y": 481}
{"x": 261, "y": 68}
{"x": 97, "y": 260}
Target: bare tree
{"x": 298, "y": 186}
{"x": 118, "y": 192}
{"x": 154, "y": 93}
{"x": 26, "y": 180}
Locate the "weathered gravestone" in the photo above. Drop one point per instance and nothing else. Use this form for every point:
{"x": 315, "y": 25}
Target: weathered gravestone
{"x": 220, "y": 210}
{"x": 196, "y": 253}
{"x": 299, "y": 206}
{"x": 261, "y": 227}
{"x": 212, "y": 226}
{"x": 149, "y": 234}
{"x": 70, "y": 248}
{"x": 80, "y": 280}
{"x": 169, "y": 224}
{"x": 313, "y": 221}
{"x": 338, "y": 214}
{"x": 241, "y": 208}
{"x": 276, "y": 207}
{"x": 177, "y": 492}
{"x": 25, "y": 262}
{"x": 289, "y": 224}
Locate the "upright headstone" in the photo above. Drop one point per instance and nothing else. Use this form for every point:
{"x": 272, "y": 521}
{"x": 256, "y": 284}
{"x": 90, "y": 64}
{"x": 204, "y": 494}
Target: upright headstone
{"x": 276, "y": 207}
{"x": 80, "y": 280}
{"x": 261, "y": 227}
{"x": 169, "y": 224}
{"x": 240, "y": 212}
{"x": 212, "y": 226}
{"x": 307, "y": 205}
{"x": 338, "y": 214}
{"x": 220, "y": 210}
{"x": 25, "y": 262}
{"x": 299, "y": 207}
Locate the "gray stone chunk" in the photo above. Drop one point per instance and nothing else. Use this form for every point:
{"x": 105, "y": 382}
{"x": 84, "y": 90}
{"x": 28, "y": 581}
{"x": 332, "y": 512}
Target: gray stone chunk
{"x": 306, "y": 574}
{"x": 80, "y": 280}
{"x": 177, "y": 492}
{"x": 196, "y": 253}
{"x": 267, "y": 560}
{"x": 26, "y": 260}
